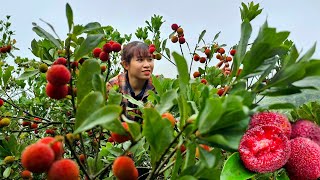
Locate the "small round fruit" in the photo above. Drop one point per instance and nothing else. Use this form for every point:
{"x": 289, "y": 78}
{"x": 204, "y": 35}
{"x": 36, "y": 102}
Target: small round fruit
{"x": 55, "y": 145}
{"x": 204, "y": 81}
{"x": 120, "y": 138}
{"x": 196, "y": 57}
{"x": 37, "y": 158}
{"x": 174, "y": 39}
{"x": 221, "y": 51}
{"x": 56, "y": 92}
{"x": 123, "y": 168}
{"x": 4, "y": 122}
{"x": 158, "y": 56}
{"x": 182, "y": 40}
{"x": 104, "y": 56}
{"x": 107, "y": 47}
{"x": 9, "y": 159}
{"x": 196, "y": 74}
{"x": 96, "y": 52}
{"x": 116, "y": 47}
{"x": 1, "y": 102}
{"x": 180, "y": 31}
{"x": 25, "y": 174}
{"x": 43, "y": 68}
{"x": 233, "y": 52}
{"x": 64, "y": 169}
{"x": 58, "y": 75}
{"x": 174, "y": 27}
{"x": 170, "y": 117}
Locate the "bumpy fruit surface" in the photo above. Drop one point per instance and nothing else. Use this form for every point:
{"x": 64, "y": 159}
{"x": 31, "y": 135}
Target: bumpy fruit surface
{"x": 182, "y": 40}
{"x": 174, "y": 39}
{"x": 56, "y": 92}
{"x": 107, "y": 47}
{"x": 64, "y": 169}
{"x": 307, "y": 129}
{"x": 104, "y": 56}
{"x": 119, "y": 138}
{"x": 264, "y": 149}
{"x": 123, "y": 168}
{"x": 271, "y": 118}
{"x": 170, "y": 117}
{"x": 180, "y": 31}
{"x": 116, "y": 47}
{"x": 61, "y": 60}
{"x": 304, "y": 161}
{"x": 196, "y": 57}
{"x": 37, "y": 158}
{"x": 58, "y": 75}
{"x": 25, "y": 174}
{"x": 55, "y": 145}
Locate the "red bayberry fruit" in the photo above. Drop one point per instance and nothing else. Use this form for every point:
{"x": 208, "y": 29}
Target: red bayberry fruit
{"x": 56, "y": 92}
{"x": 123, "y": 168}
{"x": 220, "y": 91}
{"x": 264, "y": 149}
{"x": 107, "y": 47}
{"x": 64, "y": 169}
{"x": 104, "y": 56}
{"x": 180, "y": 31}
{"x": 110, "y": 139}
{"x": 60, "y": 60}
{"x": 96, "y": 52}
{"x": 37, "y": 158}
{"x": 25, "y": 174}
{"x": 34, "y": 126}
{"x": 55, "y": 145}
{"x": 196, "y": 74}
{"x": 182, "y": 40}
{"x": 304, "y": 161}
{"x": 82, "y": 157}
{"x": 229, "y": 58}
{"x": 170, "y": 117}
{"x": 233, "y": 52}
{"x": 120, "y": 138}
{"x": 204, "y": 81}
{"x": 152, "y": 49}
{"x": 207, "y": 52}
{"x": 307, "y": 129}
{"x": 58, "y": 75}
{"x": 183, "y": 148}
{"x": 203, "y": 59}
{"x": 26, "y": 123}
{"x": 221, "y": 50}
{"x": 271, "y": 118}
{"x": 82, "y": 60}
{"x": 152, "y": 45}
{"x": 116, "y": 47}
{"x": 50, "y": 131}
{"x": 103, "y": 68}
{"x": 174, "y": 27}
{"x": 1, "y": 102}
{"x": 174, "y": 39}
{"x": 196, "y": 57}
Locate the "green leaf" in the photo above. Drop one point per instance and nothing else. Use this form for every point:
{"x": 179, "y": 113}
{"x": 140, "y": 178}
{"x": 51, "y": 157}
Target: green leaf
{"x": 177, "y": 165}
{"x": 89, "y": 104}
{"x": 134, "y": 128}
{"x": 157, "y": 85}
{"x": 308, "y": 54}
{"x": 212, "y": 158}
{"x": 114, "y": 97}
{"x": 234, "y": 169}
{"x": 84, "y": 83}
{"x": 103, "y": 116}
{"x": 44, "y": 34}
{"x": 133, "y": 101}
{"x": 6, "y": 173}
{"x": 28, "y": 74}
{"x": 201, "y": 36}
{"x": 88, "y": 45}
{"x": 7, "y": 75}
{"x": 182, "y": 71}
{"x": 99, "y": 85}
{"x": 246, "y": 30}
{"x": 312, "y": 68}
{"x": 69, "y": 14}
{"x": 187, "y": 177}
{"x": 167, "y": 100}
{"x": 153, "y": 128}
{"x": 208, "y": 118}
{"x": 282, "y": 106}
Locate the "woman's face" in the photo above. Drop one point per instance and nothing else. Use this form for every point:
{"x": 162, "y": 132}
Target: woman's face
{"x": 140, "y": 68}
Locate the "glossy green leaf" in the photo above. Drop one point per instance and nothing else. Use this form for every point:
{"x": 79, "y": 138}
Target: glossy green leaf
{"x": 210, "y": 158}
{"x": 201, "y": 36}
{"x": 207, "y": 117}
{"x": 308, "y": 54}
{"x": 103, "y": 116}
{"x": 168, "y": 99}
{"x": 312, "y": 68}
{"x": 187, "y": 177}
{"x": 7, "y": 75}
{"x": 153, "y": 128}
{"x": 114, "y": 97}
{"x": 234, "y": 169}
{"x": 84, "y": 83}
{"x": 69, "y": 14}
{"x": 88, "y": 45}
{"x": 44, "y": 34}
{"x": 282, "y": 106}
{"x": 177, "y": 165}
{"x": 157, "y": 85}
{"x": 133, "y": 101}
{"x": 28, "y": 74}
{"x": 99, "y": 85}
{"x": 89, "y": 104}
{"x": 182, "y": 71}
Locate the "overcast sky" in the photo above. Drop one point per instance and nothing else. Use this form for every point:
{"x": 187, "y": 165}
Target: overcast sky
{"x": 298, "y": 17}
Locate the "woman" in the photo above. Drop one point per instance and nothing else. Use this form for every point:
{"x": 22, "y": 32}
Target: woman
{"x": 136, "y": 80}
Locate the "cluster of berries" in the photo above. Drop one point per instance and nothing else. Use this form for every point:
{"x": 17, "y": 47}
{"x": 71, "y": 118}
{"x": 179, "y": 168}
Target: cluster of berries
{"x": 154, "y": 53}
{"x": 272, "y": 142}
{"x": 58, "y": 76}
{"x": 5, "y": 49}
{"x": 224, "y": 59}
{"x": 46, "y": 156}
{"x": 32, "y": 125}
{"x": 178, "y": 35}
{"x": 103, "y": 53}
